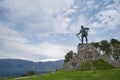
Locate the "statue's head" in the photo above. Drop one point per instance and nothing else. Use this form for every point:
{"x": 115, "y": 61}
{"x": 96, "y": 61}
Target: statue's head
{"x": 82, "y": 26}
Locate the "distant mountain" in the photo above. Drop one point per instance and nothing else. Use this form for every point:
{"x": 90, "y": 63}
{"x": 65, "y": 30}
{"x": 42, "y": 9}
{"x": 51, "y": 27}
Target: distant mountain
{"x": 17, "y": 67}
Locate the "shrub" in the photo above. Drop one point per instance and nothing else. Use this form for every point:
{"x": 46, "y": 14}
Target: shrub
{"x": 31, "y": 73}
{"x": 101, "y": 64}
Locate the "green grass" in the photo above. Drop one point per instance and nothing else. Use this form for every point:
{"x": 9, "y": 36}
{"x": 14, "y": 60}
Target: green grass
{"x": 99, "y": 64}
{"x": 109, "y": 74}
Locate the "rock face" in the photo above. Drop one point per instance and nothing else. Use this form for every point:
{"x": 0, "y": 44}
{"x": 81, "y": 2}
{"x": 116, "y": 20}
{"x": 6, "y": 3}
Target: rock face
{"x": 86, "y": 52}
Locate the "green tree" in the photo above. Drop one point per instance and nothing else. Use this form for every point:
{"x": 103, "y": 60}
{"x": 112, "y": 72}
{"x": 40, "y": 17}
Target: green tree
{"x": 115, "y": 49}
{"x": 68, "y": 56}
{"x": 114, "y": 41}
{"x": 112, "y": 48}
{"x": 105, "y": 46}
{"x": 31, "y": 73}
{"x": 95, "y": 44}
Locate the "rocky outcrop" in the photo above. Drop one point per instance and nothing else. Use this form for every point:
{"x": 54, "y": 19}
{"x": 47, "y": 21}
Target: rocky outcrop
{"x": 85, "y": 53}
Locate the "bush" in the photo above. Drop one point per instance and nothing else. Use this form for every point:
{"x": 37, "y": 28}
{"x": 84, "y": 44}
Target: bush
{"x": 31, "y": 73}
{"x": 101, "y": 64}
{"x": 68, "y": 56}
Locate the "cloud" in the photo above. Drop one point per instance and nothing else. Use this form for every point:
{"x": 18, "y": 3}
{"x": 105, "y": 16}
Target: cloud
{"x": 39, "y": 15}
{"x": 39, "y": 19}
{"x": 10, "y": 35}
{"x": 40, "y": 29}
{"x": 76, "y": 26}
{"x": 49, "y": 60}
{"x": 106, "y": 19}
{"x": 101, "y": 17}
{"x": 13, "y": 45}
{"x": 110, "y": 18}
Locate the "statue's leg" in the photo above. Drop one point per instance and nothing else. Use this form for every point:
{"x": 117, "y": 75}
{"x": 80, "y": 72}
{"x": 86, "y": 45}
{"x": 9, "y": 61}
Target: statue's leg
{"x": 82, "y": 39}
{"x": 86, "y": 39}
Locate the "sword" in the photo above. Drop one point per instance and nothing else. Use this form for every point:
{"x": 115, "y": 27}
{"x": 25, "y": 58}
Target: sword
{"x": 78, "y": 37}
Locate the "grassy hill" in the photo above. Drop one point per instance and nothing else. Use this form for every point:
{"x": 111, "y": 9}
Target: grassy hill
{"x": 110, "y": 74}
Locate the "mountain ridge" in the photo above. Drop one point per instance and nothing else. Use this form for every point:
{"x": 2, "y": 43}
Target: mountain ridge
{"x": 18, "y": 67}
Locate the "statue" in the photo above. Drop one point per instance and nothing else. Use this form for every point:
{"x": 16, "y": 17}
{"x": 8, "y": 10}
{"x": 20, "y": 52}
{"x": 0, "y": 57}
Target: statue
{"x": 84, "y": 33}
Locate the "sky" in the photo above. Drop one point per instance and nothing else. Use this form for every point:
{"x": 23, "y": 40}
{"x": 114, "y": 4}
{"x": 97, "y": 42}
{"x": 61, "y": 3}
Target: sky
{"x": 44, "y": 30}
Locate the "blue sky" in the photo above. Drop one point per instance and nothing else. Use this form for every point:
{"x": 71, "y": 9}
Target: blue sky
{"x": 43, "y": 30}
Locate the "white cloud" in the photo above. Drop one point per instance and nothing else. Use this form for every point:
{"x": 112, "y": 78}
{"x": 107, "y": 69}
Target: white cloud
{"x": 106, "y": 19}
{"x": 38, "y": 15}
{"x": 41, "y": 18}
{"x": 81, "y": 21}
{"x": 63, "y": 39}
{"x": 110, "y": 18}
{"x": 10, "y": 35}
{"x": 70, "y": 11}
{"x": 115, "y": 5}
{"x": 13, "y": 45}
{"x": 88, "y": 5}
{"x": 49, "y": 60}
{"x": 93, "y": 32}
{"x": 91, "y": 5}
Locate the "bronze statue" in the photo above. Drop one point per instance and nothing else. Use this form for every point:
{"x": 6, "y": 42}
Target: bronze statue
{"x": 84, "y": 33}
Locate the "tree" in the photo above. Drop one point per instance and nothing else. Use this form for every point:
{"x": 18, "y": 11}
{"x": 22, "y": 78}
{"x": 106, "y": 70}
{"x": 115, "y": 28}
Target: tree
{"x": 115, "y": 49}
{"x": 68, "y": 56}
{"x": 112, "y": 48}
{"x": 105, "y": 46}
{"x": 113, "y": 41}
{"x": 95, "y": 44}
{"x": 31, "y": 73}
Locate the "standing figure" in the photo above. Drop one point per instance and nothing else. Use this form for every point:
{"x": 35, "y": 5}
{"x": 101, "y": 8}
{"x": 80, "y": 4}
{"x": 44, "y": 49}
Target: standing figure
{"x": 84, "y": 33}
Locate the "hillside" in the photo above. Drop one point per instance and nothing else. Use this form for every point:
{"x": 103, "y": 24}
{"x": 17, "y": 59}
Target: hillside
{"x": 111, "y": 74}
{"x": 17, "y": 67}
